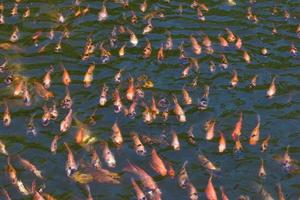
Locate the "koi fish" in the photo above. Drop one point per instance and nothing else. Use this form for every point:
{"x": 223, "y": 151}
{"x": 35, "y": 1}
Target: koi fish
{"x": 157, "y": 164}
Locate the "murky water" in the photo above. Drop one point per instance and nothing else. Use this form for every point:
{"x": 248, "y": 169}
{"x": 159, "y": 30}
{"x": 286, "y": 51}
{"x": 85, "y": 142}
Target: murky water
{"x": 239, "y": 173}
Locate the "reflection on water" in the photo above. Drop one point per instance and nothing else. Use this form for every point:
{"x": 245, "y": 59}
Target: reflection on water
{"x": 188, "y": 67}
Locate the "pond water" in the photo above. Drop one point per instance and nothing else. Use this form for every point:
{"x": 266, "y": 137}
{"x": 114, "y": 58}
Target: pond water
{"x": 271, "y": 25}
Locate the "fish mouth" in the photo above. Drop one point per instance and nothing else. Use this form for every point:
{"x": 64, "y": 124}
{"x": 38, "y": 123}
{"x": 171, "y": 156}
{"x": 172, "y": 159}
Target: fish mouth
{"x": 45, "y": 122}
{"x": 117, "y": 108}
{"x": 163, "y": 103}
{"x": 132, "y": 115}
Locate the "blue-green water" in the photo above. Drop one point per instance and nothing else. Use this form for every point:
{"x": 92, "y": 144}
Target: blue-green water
{"x": 239, "y": 174}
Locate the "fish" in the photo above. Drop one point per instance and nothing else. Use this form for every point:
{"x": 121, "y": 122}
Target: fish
{"x": 210, "y": 129}
{"x": 36, "y": 36}
{"x": 191, "y": 136}
{"x": 108, "y": 156}
{"x": 210, "y": 191}
{"x": 117, "y": 101}
{"x": 88, "y": 77}
{"x": 148, "y": 49}
{"x": 103, "y": 14}
{"x": 133, "y": 38}
{"x": 95, "y": 160}
{"x": 89, "y": 174}
{"x": 203, "y": 6}
{"x": 195, "y": 45}
{"x": 26, "y": 95}
{"x": 30, "y": 167}
{"x": 122, "y": 50}
{"x": 148, "y": 28}
{"x": 66, "y": 79}
{"x": 224, "y": 62}
{"x": 131, "y": 112}
{"x": 138, "y": 145}
{"x": 272, "y": 89}
{"x": 224, "y": 195}
{"x": 234, "y": 80}
{"x": 160, "y": 53}
{"x": 265, "y": 144}
{"x": 19, "y": 86}
{"x": 105, "y": 54}
{"x": 134, "y": 18}
{"x": 288, "y": 164}
{"x": 236, "y": 133}
{"x": 193, "y": 194}
{"x": 169, "y": 41}
{"x": 53, "y": 112}
{"x": 2, "y": 19}
{"x": 178, "y": 111}
{"x": 11, "y": 172}
{"x": 204, "y": 100}
{"x": 171, "y": 171}
{"x": 262, "y": 172}
{"x": 153, "y": 108}
{"x": 183, "y": 178}
{"x": 118, "y": 76}
{"x": 212, "y": 66}
{"x": 206, "y": 163}
{"x": 182, "y": 55}
{"x": 130, "y": 90}
{"x": 231, "y": 2}
{"x": 46, "y": 116}
{"x": 157, "y": 164}
{"x": 22, "y": 188}
{"x": 175, "y": 141}
{"x": 147, "y": 115}
{"x": 246, "y": 57}
{"x": 222, "y": 143}
{"x": 255, "y": 134}
{"x": 200, "y": 14}
{"x": 9, "y": 79}
{"x": 15, "y": 36}
{"x": 53, "y": 147}
{"x": 253, "y": 81}
{"x": 145, "y": 178}
{"x": 237, "y": 146}
{"x": 67, "y": 101}
{"x": 116, "y": 137}
{"x": 264, "y": 51}
{"x": 47, "y": 77}
{"x": 186, "y": 97}
{"x": 138, "y": 191}
{"x": 89, "y": 49}
{"x": 143, "y": 6}
{"x": 3, "y": 65}
{"x": 6, "y": 194}
{"x": 222, "y": 41}
{"x": 66, "y": 33}
{"x": 67, "y": 121}
{"x": 42, "y": 91}
{"x": 206, "y": 41}
{"x": 6, "y": 115}
{"x": 3, "y": 148}
{"x": 230, "y": 35}
{"x": 31, "y": 129}
{"x": 71, "y": 164}
{"x": 281, "y": 195}
{"x": 103, "y": 95}
{"x": 238, "y": 43}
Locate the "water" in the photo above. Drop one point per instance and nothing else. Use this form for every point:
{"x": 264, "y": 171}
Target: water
{"x": 279, "y": 115}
